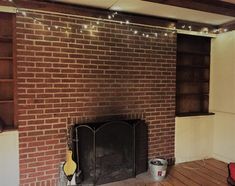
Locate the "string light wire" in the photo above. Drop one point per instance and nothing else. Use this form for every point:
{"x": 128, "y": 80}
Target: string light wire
{"x": 93, "y": 27}
{"x": 172, "y": 29}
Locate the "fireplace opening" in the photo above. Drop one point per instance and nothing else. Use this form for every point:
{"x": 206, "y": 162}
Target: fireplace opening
{"x": 110, "y": 151}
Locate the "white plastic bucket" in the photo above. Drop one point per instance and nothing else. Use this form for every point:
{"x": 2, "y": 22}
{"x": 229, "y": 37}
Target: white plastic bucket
{"x": 157, "y": 168}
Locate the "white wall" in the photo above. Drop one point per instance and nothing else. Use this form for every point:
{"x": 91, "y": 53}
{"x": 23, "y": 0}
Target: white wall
{"x": 9, "y": 159}
{"x": 193, "y": 138}
{"x": 222, "y": 98}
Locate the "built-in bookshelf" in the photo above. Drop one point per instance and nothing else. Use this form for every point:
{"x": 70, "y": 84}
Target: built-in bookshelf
{"x": 193, "y": 75}
{"x": 7, "y": 71}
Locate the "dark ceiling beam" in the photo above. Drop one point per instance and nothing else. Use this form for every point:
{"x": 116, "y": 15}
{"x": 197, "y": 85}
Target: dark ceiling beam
{"x": 229, "y": 26}
{"x": 211, "y": 6}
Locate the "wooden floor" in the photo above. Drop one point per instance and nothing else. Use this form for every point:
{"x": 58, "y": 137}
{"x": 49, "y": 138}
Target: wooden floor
{"x": 208, "y": 172}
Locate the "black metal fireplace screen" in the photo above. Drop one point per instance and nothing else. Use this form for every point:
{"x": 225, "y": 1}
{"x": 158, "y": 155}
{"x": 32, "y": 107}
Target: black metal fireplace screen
{"x": 110, "y": 151}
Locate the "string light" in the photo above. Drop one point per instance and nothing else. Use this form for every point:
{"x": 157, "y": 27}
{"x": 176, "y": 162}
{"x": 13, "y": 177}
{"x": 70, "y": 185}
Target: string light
{"x": 215, "y": 30}
{"x": 112, "y": 16}
{"x": 24, "y": 14}
{"x": 94, "y": 27}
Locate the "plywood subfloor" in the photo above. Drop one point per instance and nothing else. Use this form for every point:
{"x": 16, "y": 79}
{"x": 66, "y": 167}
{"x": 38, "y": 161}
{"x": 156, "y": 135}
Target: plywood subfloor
{"x": 209, "y": 172}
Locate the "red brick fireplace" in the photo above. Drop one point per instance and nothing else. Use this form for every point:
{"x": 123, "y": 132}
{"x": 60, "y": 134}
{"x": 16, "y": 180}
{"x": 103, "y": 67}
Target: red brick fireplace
{"x": 66, "y": 77}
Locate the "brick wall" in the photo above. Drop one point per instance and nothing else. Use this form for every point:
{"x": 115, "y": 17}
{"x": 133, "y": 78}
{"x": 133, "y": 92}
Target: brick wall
{"x": 78, "y": 75}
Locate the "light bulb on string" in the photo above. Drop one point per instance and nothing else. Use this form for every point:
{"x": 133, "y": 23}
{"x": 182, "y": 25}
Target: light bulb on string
{"x": 135, "y": 31}
{"x": 165, "y": 34}
{"x": 127, "y": 22}
{"x": 56, "y": 27}
{"x": 147, "y": 35}
{"x": 114, "y": 14}
{"x": 216, "y": 31}
{"x": 24, "y": 13}
{"x": 156, "y": 34}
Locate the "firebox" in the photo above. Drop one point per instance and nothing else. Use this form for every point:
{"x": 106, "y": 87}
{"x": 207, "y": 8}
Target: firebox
{"x": 110, "y": 151}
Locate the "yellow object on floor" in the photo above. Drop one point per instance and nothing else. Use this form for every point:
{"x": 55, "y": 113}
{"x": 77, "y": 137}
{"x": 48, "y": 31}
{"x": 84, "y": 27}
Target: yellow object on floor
{"x": 70, "y": 166}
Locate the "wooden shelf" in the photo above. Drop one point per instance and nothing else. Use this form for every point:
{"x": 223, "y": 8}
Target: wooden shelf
{"x": 6, "y": 101}
{"x": 192, "y": 94}
{"x": 10, "y": 128}
{"x": 193, "y": 66}
{"x": 5, "y": 39}
{"x": 193, "y": 53}
{"x": 7, "y": 58}
{"x": 194, "y": 114}
{"x": 193, "y": 81}
{"x": 6, "y": 80}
